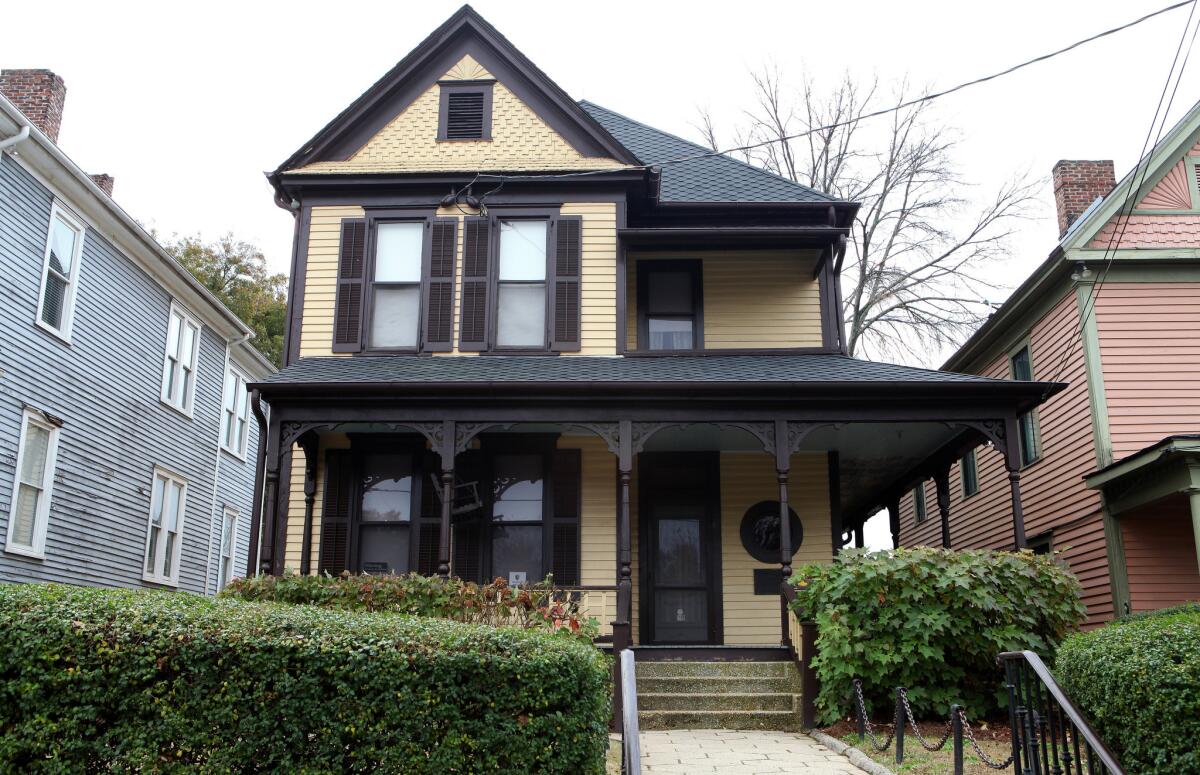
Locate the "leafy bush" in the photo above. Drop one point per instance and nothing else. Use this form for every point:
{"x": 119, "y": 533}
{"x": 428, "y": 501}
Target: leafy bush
{"x": 497, "y": 604}
{"x": 114, "y": 680}
{"x": 1138, "y": 682}
{"x": 933, "y": 621}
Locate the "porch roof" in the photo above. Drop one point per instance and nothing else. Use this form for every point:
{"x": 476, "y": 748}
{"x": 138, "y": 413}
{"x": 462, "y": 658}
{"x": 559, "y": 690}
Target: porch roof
{"x": 800, "y": 372}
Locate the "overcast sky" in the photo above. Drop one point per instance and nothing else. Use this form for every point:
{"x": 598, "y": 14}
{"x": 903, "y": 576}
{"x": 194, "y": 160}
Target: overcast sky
{"x": 187, "y": 105}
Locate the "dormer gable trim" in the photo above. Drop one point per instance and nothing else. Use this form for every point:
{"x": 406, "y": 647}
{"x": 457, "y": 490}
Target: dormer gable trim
{"x": 465, "y": 33}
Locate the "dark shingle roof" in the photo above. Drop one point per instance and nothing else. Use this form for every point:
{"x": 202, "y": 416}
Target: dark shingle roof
{"x": 709, "y": 179}
{"x": 810, "y": 369}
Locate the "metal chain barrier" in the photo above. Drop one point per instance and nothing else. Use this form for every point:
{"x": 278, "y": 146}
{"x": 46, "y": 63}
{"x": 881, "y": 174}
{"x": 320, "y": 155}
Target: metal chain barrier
{"x": 916, "y": 730}
{"x": 987, "y": 760}
{"x": 866, "y": 721}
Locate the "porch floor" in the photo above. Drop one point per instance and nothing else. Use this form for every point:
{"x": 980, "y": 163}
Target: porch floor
{"x": 738, "y": 753}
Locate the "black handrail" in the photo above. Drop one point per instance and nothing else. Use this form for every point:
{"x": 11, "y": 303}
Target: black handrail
{"x": 1049, "y": 734}
{"x": 631, "y": 749}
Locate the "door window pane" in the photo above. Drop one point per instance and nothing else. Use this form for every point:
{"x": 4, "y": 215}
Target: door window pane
{"x": 680, "y": 560}
{"x": 518, "y": 488}
{"x": 522, "y": 250}
{"x": 521, "y": 318}
{"x": 517, "y": 550}
{"x": 387, "y": 488}
{"x": 398, "y": 252}
{"x": 680, "y": 616}
{"x": 667, "y": 334}
{"x": 394, "y": 317}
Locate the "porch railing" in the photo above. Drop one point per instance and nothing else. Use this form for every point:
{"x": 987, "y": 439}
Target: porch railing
{"x": 800, "y": 637}
{"x": 598, "y": 602}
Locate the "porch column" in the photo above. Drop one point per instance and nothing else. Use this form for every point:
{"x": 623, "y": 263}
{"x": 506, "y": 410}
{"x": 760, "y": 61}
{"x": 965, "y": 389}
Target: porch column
{"x": 893, "y": 510}
{"x": 859, "y": 539}
{"x": 260, "y": 476}
{"x": 622, "y": 627}
{"x": 783, "y": 465}
{"x": 309, "y": 443}
{"x": 1012, "y": 462}
{"x": 1194, "y": 502}
{"x": 266, "y": 551}
{"x": 282, "y": 495}
{"x": 941, "y": 481}
{"x": 446, "y": 453}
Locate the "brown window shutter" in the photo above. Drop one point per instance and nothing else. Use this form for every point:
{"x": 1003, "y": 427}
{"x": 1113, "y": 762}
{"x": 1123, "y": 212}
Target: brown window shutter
{"x": 564, "y": 540}
{"x": 473, "y": 333}
{"x": 568, "y": 268}
{"x": 439, "y": 286}
{"x": 347, "y": 316}
{"x": 335, "y": 514}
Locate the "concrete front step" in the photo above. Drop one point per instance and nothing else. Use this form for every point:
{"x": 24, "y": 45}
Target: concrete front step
{"x": 714, "y": 670}
{"x": 715, "y": 685}
{"x": 779, "y": 720}
{"x": 731, "y": 701}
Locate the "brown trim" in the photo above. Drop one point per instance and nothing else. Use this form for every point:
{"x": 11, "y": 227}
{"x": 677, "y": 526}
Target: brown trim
{"x": 296, "y": 285}
{"x": 452, "y": 87}
{"x": 622, "y": 283}
{"x": 835, "y": 500}
{"x": 260, "y": 468}
{"x": 718, "y": 352}
{"x": 701, "y": 653}
{"x": 647, "y": 265}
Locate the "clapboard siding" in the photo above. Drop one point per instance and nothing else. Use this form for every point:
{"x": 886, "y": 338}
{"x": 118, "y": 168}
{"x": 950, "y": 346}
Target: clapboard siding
{"x": 1151, "y": 361}
{"x": 1054, "y": 496}
{"x": 105, "y": 386}
{"x": 1160, "y": 553}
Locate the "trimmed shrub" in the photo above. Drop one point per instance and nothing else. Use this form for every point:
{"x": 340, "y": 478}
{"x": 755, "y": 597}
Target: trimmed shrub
{"x": 1138, "y": 682}
{"x": 532, "y": 606}
{"x": 932, "y": 621}
{"x": 114, "y": 680}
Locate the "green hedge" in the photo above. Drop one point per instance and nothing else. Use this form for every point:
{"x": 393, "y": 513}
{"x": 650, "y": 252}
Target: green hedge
{"x": 1138, "y": 682}
{"x": 109, "y": 680}
{"x": 932, "y": 621}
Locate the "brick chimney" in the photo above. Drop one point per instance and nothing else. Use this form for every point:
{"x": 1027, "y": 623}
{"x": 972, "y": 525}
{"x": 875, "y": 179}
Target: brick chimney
{"x": 39, "y": 94}
{"x": 1077, "y": 183}
{"x": 104, "y": 181}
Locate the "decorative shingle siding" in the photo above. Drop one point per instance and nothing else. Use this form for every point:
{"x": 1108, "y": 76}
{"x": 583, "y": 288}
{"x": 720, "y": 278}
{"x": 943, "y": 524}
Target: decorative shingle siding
{"x": 1149, "y": 231}
{"x": 105, "y": 386}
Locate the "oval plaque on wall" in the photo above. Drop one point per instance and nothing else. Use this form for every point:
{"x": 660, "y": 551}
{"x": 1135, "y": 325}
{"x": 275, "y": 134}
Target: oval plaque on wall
{"x": 760, "y": 531}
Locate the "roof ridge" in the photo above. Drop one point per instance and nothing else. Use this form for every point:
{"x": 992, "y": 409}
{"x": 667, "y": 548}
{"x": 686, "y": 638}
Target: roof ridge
{"x": 717, "y": 154}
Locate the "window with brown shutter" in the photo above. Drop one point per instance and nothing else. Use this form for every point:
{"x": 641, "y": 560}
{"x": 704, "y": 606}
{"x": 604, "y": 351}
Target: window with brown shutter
{"x": 335, "y": 513}
{"x": 567, "y": 282}
{"x": 473, "y": 334}
{"x": 347, "y": 316}
{"x": 465, "y": 111}
{"x": 439, "y": 286}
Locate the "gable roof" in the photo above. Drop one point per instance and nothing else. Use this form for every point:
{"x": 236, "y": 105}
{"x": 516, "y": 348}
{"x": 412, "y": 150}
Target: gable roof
{"x": 708, "y": 178}
{"x": 464, "y": 32}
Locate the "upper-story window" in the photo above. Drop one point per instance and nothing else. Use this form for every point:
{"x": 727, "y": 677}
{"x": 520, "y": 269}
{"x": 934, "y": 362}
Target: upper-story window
{"x": 521, "y": 285}
{"x": 64, "y": 247}
{"x": 396, "y": 285}
{"x": 669, "y": 305}
{"x": 235, "y": 413}
{"x": 969, "y": 471}
{"x": 1021, "y": 367}
{"x": 179, "y": 362}
{"x": 465, "y": 111}
{"x": 30, "y": 510}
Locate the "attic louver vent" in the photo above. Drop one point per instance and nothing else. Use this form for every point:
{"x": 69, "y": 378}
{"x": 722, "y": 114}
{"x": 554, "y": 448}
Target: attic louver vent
{"x": 464, "y": 116}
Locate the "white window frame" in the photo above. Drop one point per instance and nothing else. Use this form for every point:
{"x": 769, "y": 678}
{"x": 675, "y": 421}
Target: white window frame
{"x": 229, "y": 521}
{"x": 240, "y": 445}
{"x": 186, "y": 319}
{"x": 42, "y": 517}
{"x": 153, "y": 575}
{"x": 58, "y": 212}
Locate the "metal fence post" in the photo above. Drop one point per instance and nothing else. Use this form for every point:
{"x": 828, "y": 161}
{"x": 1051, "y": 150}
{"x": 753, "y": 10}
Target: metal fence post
{"x": 957, "y": 727}
{"x": 898, "y": 727}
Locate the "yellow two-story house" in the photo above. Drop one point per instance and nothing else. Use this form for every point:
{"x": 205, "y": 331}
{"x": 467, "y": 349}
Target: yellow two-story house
{"x": 531, "y": 336}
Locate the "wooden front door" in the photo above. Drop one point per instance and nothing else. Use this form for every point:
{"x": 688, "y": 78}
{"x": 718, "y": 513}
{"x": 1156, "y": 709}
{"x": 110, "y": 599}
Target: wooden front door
{"x": 680, "y": 550}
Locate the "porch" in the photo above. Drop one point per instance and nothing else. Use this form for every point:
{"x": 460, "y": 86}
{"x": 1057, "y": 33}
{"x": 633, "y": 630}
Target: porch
{"x": 658, "y": 502}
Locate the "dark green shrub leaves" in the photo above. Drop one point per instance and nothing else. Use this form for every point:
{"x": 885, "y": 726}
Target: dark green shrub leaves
{"x": 932, "y": 621}
{"x": 1138, "y": 682}
{"x": 107, "y": 680}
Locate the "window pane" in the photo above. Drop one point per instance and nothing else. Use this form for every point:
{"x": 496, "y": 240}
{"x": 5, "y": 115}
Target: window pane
{"x": 173, "y": 336}
{"x": 521, "y": 318}
{"x": 1028, "y": 439}
{"x": 188, "y": 348}
{"x": 383, "y": 548}
{"x": 517, "y": 549}
{"x": 174, "y": 501}
{"x": 231, "y": 381}
{"x": 1022, "y": 367}
{"x": 523, "y": 250}
{"x": 670, "y": 334}
{"x": 156, "y": 501}
{"x": 387, "y": 488}
{"x": 53, "y": 301}
{"x": 227, "y": 536}
{"x": 25, "y": 514}
{"x": 517, "y": 491}
{"x": 398, "y": 252}
{"x": 168, "y": 557}
{"x": 152, "y": 550}
{"x": 670, "y": 293}
{"x": 62, "y": 247}
{"x": 33, "y": 457}
{"x": 394, "y": 317}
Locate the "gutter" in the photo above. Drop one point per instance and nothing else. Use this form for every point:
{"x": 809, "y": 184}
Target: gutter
{"x": 8, "y": 142}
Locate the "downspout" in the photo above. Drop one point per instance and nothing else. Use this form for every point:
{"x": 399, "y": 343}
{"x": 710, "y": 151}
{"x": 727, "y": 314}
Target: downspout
{"x": 8, "y": 142}
{"x": 260, "y": 473}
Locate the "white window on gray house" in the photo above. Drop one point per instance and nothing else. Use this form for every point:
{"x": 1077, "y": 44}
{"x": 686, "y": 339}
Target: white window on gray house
{"x": 168, "y": 498}
{"x": 32, "y": 485}
{"x": 235, "y": 415}
{"x": 179, "y": 363}
{"x": 521, "y": 285}
{"x": 228, "y": 541}
{"x": 64, "y": 244}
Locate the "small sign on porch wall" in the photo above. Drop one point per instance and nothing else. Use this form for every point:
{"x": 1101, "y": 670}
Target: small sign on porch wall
{"x": 516, "y": 578}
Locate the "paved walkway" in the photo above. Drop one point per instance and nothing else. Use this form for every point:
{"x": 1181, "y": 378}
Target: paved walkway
{"x": 730, "y": 752}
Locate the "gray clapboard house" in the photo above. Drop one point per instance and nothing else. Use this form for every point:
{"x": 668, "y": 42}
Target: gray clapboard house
{"x": 127, "y": 446}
